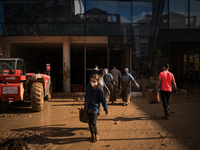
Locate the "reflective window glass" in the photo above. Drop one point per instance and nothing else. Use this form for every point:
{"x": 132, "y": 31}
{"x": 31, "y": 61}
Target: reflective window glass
{"x": 178, "y": 14}
{"x": 108, "y": 11}
{"x": 185, "y": 66}
{"x": 18, "y": 29}
{"x": 1, "y": 11}
{"x": 1, "y": 29}
{"x": 191, "y": 66}
{"x": 18, "y": 11}
{"x": 142, "y": 12}
{"x": 61, "y": 29}
{"x": 194, "y": 14}
{"x": 61, "y": 10}
{"x": 165, "y": 16}
{"x": 196, "y": 66}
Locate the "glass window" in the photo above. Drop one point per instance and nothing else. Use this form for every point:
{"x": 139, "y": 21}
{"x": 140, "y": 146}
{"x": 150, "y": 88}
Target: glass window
{"x": 191, "y": 66}
{"x": 61, "y": 11}
{"x": 142, "y": 12}
{"x": 194, "y": 14}
{"x": 20, "y": 66}
{"x": 185, "y": 66}
{"x": 178, "y": 14}
{"x": 1, "y": 11}
{"x": 196, "y": 66}
{"x": 19, "y": 11}
{"x": 61, "y": 29}
{"x": 165, "y": 16}
{"x": 108, "y": 11}
{"x": 19, "y": 29}
{"x": 1, "y": 29}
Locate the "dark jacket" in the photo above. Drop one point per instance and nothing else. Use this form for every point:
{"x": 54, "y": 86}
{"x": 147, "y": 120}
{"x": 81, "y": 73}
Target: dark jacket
{"x": 108, "y": 79}
{"x": 94, "y": 71}
{"x": 93, "y": 98}
{"x": 127, "y": 78}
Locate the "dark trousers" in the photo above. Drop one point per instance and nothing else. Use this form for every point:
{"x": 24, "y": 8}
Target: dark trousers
{"x": 93, "y": 123}
{"x": 126, "y": 92}
{"x": 165, "y": 100}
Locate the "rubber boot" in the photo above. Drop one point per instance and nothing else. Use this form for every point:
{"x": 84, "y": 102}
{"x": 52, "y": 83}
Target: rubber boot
{"x": 96, "y": 132}
{"x": 92, "y": 133}
{"x": 166, "y": 114}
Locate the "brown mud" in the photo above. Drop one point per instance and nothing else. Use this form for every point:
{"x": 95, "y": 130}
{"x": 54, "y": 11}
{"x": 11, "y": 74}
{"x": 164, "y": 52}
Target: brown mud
{"x": 136, "y": 126}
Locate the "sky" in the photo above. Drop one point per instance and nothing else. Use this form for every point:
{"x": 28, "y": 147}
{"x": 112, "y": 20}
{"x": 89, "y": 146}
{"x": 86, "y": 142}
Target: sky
{"x": 140, "y": 9}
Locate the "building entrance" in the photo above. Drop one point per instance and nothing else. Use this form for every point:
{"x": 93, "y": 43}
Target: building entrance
{"x": 36, "y": 56}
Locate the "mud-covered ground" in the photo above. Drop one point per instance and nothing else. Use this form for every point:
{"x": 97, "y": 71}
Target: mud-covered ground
{"x": 137, "y": 126}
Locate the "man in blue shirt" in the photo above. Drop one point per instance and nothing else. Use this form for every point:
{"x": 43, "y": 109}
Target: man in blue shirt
{"x": 94, "y": 96}
{"x": 125, "y": 83}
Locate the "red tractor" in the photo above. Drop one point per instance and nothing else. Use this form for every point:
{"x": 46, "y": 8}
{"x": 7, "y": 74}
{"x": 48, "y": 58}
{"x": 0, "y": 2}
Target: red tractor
{"x": 17, "y": 85}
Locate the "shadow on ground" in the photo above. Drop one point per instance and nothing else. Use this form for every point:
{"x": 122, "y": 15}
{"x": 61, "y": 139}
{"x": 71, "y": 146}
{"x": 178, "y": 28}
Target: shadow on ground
{"x": 55, "y": 134}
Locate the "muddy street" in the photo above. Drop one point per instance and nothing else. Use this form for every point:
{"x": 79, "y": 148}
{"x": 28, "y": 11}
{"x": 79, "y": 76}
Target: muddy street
{"x": 136, "y": 126}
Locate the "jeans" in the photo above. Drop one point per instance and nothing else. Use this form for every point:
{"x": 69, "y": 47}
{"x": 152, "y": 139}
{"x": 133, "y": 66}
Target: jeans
{"x": 165, "y": 100}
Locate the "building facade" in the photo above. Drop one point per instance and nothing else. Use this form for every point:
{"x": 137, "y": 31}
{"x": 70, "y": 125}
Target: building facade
{"x": 73, "y": 35}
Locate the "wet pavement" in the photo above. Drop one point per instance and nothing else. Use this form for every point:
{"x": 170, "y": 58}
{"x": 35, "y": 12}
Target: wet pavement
{"x": 137, "y": 126}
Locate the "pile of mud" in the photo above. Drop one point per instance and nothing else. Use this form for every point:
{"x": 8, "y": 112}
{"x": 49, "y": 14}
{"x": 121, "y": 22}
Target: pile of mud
{"x": 24, "y": 141}
{"x": 14, "y": 144}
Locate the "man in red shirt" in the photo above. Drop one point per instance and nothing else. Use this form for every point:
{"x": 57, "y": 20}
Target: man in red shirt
{"x": 166, "y": 79}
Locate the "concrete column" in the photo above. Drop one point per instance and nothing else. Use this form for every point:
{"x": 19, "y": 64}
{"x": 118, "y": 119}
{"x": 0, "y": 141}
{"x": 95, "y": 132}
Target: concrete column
{"x": 66, "y": 65}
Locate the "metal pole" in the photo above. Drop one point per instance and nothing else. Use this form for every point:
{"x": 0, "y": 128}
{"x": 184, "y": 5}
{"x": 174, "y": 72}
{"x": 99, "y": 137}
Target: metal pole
{"x": 108, "y": 57}
{"x": 85, "y": 63}
{"x": 85, "y": 53}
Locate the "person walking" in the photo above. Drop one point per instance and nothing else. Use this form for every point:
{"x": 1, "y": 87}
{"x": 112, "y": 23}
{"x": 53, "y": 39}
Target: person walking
{"x": 102, "y": 83}
{"x": 116, "y": 75}
{"x": 94, "y": 71}
{"x": 94, "y": 96}
{"x": 166, "y": 80}
{"x": 125, "y": 84}
{"x": 108, "y": 79}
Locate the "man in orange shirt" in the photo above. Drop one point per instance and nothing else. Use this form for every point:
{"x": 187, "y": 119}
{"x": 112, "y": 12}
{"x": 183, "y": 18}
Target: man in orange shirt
{"x": 166, "y": 79}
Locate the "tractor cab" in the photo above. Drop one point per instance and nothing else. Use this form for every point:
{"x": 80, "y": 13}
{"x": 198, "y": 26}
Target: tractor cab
{"x": 10, "y": 65}
{"x": 12, "y": 70}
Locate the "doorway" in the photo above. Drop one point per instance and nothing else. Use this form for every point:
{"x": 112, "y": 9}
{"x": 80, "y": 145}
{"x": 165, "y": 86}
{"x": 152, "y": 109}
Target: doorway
{"x": 36, "y": 56}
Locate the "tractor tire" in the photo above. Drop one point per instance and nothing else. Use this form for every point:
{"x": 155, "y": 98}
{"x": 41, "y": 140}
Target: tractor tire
{"x": 48, "y": 97}
{"x": 37, "y": 96}
{"x": 4, "y": 106}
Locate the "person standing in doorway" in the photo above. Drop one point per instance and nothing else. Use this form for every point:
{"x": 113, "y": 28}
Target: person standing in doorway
{"x": 125, "y": 83}
{"x": 94, "y": 96}
{"x": 166, "y": 80}
{"x": 116, "y": 75}
{"x": 94, "y": 71}
{"x": 108, "y": 79}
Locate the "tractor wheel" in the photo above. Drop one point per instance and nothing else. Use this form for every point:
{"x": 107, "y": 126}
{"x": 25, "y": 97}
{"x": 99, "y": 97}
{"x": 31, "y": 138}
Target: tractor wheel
{"x": 37, "y": 96}
{"x": 48, "y": 97}
{"x": 4, "y": 106}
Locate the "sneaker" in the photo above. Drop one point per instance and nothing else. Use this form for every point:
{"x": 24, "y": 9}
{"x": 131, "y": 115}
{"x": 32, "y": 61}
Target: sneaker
{"x": 96, "y": 137}
{"x": 125, "y": 104}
